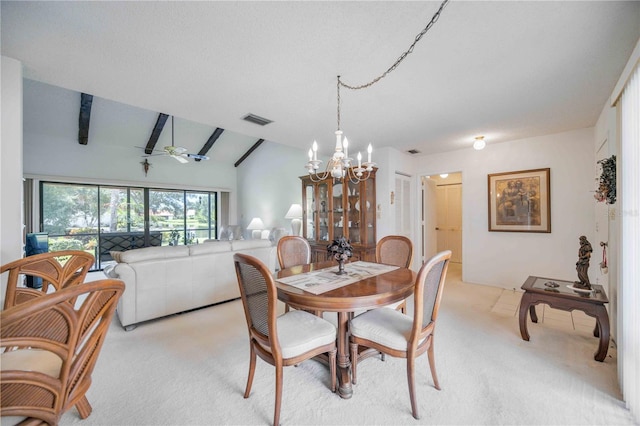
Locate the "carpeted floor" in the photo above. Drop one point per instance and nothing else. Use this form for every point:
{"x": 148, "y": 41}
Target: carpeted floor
{"x": 191, "y": 369}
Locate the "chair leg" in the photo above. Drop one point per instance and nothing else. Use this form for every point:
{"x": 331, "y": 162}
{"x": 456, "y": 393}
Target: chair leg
{"x": 252, "y": 370}
{"x": 83, "y": 407}
{"x": 332, "y": 369}
{"x": 432, "y": 364}
{"x": 353, "y": 354}
{"x": 412, "y": 386}
{"x": 402, "y": 307}
{"x": 276, "y": 412}
{"x": 286, "y": 308}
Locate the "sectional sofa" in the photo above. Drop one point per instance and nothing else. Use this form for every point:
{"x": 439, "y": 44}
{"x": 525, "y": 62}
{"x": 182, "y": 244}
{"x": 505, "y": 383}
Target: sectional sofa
{"x": 165, "y": 280}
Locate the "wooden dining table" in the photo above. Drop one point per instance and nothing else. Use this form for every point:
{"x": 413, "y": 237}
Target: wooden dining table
{"x": 365, "y": 293}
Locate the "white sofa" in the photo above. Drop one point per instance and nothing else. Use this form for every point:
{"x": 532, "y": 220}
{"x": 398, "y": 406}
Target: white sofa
{"x": 166, "y": 280}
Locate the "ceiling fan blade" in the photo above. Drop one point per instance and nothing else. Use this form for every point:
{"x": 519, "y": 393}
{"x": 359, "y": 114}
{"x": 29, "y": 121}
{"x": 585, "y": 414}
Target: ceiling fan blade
{"x": 197, "y": 156}
{"x": 180, "y": 158}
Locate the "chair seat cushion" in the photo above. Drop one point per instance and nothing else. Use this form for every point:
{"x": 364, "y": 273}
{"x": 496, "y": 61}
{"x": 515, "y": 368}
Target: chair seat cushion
{"x": 32, "y": 360}
{"x": 300, "y": 331}
{"x": 385, "y": 326}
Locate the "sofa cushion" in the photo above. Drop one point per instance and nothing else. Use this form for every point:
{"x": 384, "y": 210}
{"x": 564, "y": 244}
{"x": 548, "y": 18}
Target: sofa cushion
{"x": 151, "y": 253}
{"x": 249, "y": 244}
{"x": 32, "y": 360}
{"x": 210, "y": 247}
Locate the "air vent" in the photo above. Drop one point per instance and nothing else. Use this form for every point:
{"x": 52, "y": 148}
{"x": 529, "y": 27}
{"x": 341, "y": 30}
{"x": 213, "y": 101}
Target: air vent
{"x": 256, "y": 119}
{"x": 413, "y": 151}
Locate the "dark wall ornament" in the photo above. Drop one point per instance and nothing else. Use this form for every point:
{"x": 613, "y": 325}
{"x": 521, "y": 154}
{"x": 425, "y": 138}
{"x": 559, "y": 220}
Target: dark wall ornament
{"x": 606, "y": 191}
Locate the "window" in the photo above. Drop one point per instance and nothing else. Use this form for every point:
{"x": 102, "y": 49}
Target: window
{"x": 102, "y": 218}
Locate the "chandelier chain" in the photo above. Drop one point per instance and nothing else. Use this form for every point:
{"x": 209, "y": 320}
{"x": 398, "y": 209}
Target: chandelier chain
{"x": 434, "y": 19}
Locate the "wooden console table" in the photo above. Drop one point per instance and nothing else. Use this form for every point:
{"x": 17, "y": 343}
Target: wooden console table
{"x": 541, "y": 290}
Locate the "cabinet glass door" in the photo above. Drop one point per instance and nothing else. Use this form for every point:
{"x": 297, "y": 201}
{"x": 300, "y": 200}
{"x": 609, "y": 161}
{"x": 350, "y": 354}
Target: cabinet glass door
{"x": 369, "y": 213}
{"x": 324, "y": 216}
{"x": 353, "y": 208}
{"x": 312, "y": 213}
{"x": 339, "y": 214}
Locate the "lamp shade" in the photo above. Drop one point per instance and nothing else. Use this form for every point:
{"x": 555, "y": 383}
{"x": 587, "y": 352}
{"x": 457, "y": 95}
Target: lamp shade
{"x": 295, "y": 212}
{"x": 255, "y": 224}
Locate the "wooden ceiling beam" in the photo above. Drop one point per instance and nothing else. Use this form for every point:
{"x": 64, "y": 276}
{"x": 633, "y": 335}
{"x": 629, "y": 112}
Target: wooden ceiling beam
{"x": 155, "y": 133}
{"x": 246, "y": 154}
{"x": 84, "y": 118}
{"x": 212, "y": 139}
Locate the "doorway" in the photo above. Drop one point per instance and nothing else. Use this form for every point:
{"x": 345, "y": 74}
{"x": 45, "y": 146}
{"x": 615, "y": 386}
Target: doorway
{"x": 442, "y": 215}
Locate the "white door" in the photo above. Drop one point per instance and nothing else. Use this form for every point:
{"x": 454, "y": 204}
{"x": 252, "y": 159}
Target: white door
{"x": 403, "y": 205}
{"x": 429, "y": 218}
{"x": 449, "y": 220}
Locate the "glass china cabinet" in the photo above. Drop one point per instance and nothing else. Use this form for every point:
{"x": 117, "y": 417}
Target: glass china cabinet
{"x": 340, "y": 208}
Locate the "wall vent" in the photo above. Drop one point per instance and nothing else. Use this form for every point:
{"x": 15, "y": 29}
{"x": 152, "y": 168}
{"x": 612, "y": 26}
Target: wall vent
{"x": 256, "y": 119}
{"x": 413, "y": 151}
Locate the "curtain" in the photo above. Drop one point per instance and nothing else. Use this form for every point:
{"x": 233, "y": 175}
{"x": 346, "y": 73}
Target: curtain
{"x": 28, "y": 204}
{"x": 629, "y": 296}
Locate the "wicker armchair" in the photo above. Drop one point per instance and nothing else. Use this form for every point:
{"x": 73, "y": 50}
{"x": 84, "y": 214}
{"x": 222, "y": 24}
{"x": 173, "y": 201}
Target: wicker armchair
{"x": 57, "y": 269}
{"x": 281, "y": 341}
{"x": 395, "y": 250}
{"x": 50, "y": 349}
{"x": 396, "y": 334}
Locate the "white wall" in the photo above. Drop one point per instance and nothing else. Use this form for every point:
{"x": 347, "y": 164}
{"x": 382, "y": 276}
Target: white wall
{"x": 506, "y": 259}
{"x": 268, "y": 183}
{"x": 389, "y": 161}
{"x": 11, "y": 230}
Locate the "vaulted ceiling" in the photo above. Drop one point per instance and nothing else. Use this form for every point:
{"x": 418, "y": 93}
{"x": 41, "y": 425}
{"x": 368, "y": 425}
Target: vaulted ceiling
{"x": 506, "y": 70}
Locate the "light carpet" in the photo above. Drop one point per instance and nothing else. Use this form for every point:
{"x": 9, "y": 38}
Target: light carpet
{"x": 191, "y": 369}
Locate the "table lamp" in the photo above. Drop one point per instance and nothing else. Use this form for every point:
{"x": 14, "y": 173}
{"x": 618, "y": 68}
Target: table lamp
{"x": 295, "y": 214}
{"x": 256, "y": 225}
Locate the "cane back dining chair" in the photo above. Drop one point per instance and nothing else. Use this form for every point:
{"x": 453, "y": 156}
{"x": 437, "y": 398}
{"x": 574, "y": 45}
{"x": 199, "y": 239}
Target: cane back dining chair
{"x": 396, "y": 250}
{"x": 51, "y": 345}
{"x": 398, "y": 335}
{"x": 57, "y": 270}
{"x": 293, "y": 250}
{"x": 283, "y": 340}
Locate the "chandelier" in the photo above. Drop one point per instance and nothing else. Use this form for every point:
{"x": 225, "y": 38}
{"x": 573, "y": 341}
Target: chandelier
{"x": 340, "y": 165}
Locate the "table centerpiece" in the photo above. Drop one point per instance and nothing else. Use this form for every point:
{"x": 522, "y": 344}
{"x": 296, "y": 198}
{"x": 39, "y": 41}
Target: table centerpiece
{"x": 341, "y": 250}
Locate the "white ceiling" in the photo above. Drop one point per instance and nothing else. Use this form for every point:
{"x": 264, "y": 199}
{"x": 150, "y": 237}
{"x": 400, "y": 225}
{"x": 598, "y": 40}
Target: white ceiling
{"x": 506, "y": 70}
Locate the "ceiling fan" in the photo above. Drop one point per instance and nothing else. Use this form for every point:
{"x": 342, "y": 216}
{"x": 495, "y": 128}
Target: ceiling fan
{"x": 177, "y": 152}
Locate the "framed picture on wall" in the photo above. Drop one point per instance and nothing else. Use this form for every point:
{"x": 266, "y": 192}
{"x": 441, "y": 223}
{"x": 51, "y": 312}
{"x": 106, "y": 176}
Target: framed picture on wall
{"x": 520, "y": 201}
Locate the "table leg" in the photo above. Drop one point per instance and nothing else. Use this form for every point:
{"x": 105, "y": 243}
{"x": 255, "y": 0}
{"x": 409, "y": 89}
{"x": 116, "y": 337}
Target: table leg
{"x": 534, "y": 315}
{"x": 344, "y": 363}
{"x": 525, "y": 304}
{"x": 602, "y": 323}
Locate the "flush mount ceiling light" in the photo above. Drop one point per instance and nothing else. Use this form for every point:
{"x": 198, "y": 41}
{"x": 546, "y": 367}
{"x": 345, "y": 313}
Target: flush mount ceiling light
{"x": 479, "y": 143}
{"x": 444, "y": 175}
{"x": 340, "y": 166}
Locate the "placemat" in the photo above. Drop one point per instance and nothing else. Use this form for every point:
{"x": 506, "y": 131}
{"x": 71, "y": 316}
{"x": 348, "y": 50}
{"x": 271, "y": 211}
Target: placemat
{"x": 323, "y": 280}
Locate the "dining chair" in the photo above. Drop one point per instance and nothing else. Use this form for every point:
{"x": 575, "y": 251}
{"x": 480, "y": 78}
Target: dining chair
{"x": 293, "y": 250}
{"x": 284, "y": 340}
{"x": 398, "y": 335}
{"x": 50, "y": 347}
{"x": 57, "y": 270}
{"x": 395, "y": 250}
